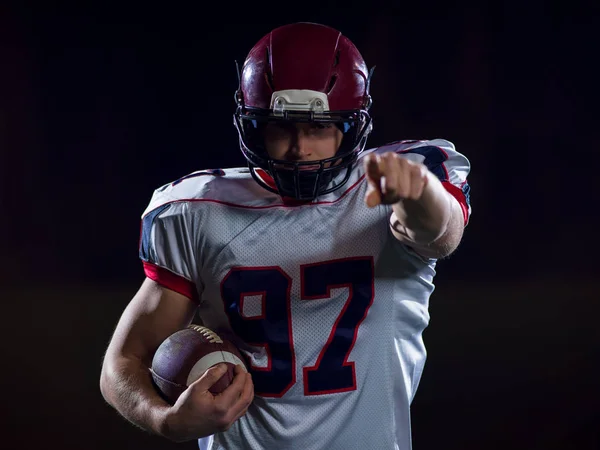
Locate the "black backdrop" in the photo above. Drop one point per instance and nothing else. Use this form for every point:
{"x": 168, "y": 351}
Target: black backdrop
{"x": 99, "y": 105}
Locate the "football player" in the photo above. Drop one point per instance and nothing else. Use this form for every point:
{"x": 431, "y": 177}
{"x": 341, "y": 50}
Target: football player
{"x": 318, "y": 257}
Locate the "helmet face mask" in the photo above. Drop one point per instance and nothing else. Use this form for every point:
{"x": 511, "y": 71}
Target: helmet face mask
{"x": 275, "y": 90}
{"x": 303, "y": 180}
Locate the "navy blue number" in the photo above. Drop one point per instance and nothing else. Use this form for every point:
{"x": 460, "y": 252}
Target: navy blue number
{"x": 332, "y": 372}
{"x": 213, "y": 172}
{"x": 271, "y": 330}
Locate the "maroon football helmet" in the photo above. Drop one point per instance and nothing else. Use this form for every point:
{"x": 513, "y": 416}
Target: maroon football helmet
{"x": 303, "y": 72}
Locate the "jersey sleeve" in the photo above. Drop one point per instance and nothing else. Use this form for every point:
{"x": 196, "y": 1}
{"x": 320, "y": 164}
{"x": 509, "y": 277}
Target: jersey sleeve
{"x": 166, "y": 247}
{"x": 451, "y": 167}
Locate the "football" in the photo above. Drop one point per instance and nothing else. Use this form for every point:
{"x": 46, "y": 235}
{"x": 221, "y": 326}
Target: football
{"x": 184, "y": 356}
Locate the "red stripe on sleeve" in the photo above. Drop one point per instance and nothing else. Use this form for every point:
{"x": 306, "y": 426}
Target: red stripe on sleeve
{"x": 458, "y": 194}
{"x": 171, "y": 281}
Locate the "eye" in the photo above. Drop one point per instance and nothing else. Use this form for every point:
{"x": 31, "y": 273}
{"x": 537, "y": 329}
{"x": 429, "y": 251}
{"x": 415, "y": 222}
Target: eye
{"x": 320, "y": 126}
{"x": 278, "y": 130}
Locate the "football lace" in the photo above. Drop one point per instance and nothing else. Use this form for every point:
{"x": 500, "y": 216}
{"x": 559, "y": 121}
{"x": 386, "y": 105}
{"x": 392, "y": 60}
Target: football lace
{"x": 208, "y": 334}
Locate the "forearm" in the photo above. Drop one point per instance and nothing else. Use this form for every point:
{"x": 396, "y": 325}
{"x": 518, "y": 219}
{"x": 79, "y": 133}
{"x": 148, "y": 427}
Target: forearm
{"x": 425, "y": 220}
{"x": 127, "y": 386}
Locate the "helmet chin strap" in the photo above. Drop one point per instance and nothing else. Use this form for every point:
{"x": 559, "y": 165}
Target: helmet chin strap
{"x": 238, "y": 96}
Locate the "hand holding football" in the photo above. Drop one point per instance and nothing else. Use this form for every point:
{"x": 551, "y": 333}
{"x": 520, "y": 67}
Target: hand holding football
{"x": 184, "y": 357}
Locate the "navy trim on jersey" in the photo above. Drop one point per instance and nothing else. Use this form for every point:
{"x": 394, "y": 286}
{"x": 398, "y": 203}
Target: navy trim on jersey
{"x": 435, "y": 158}
{"x": 213, "y": 172}
{"x": 466, "y": 189}
{"x": 147, "y": 229}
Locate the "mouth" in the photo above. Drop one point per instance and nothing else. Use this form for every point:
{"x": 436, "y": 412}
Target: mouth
{"x": 301, "y": 168}
{"x": 309, "y": 167}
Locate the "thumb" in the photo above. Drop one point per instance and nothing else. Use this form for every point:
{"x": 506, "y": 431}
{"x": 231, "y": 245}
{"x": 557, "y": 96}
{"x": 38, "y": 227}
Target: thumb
{"x": 372, "y": 170}
{"x": 373, "y": 175}
{"x": 210, "y": 377}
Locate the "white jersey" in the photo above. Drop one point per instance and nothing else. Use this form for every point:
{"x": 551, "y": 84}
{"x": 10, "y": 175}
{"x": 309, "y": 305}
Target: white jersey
{"x": 326, "y": 304}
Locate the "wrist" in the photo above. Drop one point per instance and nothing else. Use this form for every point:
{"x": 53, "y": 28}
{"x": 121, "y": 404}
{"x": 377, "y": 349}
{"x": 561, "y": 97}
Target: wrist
{"x": 162, "y": 420}
{"x": 425, "y": 219}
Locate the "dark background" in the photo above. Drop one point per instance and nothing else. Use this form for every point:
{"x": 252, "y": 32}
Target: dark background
{"x": 100, "y": 105}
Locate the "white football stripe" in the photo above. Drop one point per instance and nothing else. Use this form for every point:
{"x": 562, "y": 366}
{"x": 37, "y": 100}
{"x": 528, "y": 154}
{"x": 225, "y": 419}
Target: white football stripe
{"x": 207, "y": 361}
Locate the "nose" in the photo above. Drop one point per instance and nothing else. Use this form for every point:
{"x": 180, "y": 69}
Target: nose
{"x": 300, "y": 145}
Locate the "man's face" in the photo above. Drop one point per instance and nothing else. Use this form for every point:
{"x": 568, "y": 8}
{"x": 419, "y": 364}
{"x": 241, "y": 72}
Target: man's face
{"x": 302, "y": 141}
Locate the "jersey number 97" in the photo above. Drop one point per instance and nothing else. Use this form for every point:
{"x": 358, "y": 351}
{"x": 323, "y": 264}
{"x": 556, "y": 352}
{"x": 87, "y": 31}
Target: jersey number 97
{"x": 273, "y": 330}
